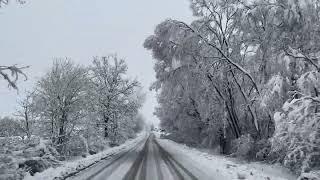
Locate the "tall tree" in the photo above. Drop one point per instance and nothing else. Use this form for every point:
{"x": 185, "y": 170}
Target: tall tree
{"x": 61, "y": 99}
{"x": 111, "y": 90}
{"x": 226, "y": 74}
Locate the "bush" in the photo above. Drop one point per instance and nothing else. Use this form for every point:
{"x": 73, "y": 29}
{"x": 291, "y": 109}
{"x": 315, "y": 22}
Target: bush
{"x": 10, "y": 127}
{"x": 243, "y": 146}
{"x": 18, "y": 156}
{"x": 97, "y": 144}
{"x": 76, "y": 146}
{"x": 296, "y": 141}
{"x": 313, "y": 175}
{"x": 262, "y": 149}
{"x": 33, "y": 166}
{"x": 246, "y": 147}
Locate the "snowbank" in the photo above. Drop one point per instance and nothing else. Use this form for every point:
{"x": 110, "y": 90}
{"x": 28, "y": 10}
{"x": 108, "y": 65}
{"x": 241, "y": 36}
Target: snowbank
{"x": 75, "y": 166}
{"x": 218, "y": 167}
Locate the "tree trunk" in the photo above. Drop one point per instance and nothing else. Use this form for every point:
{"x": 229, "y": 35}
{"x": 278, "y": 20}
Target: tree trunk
{"x": 26, "y": 117}
{"x": 222, "y": 141}
{"x": 264, "y": 64}
{"x": 106, "y": 129}
{"x": 234, "y": 127}
{"x": 62, "y": 134}
{"x": 52, "y": 129}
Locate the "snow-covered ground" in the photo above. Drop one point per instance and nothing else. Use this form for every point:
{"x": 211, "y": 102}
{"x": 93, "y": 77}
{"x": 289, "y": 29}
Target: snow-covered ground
{"x": 204, "y": 165}
{"x": 77, "y": 165}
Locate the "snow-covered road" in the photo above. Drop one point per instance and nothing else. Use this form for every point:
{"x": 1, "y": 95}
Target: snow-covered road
{"x": 147, "y": 160}
{"x": 150, "y": 158}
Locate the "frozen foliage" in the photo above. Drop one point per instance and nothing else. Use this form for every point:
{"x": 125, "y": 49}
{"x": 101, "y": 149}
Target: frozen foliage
{"x": 243, "y": 146}
{"x": 6, "y": 2}
{"x": 10, "y": 127}
{"x": 273, "y": 90}
{"x": 247, "y": 148}
{"x": 60, "y": 97}
{"x": 223, "y": 79}
{"x": 78, "y": 110}
{"x": 309, "y": 84}
{"x": 115, "y": 98}
{"x": 12, "y": 73}
{"x": 297, "y": 132}
{"x": 73, "y": 105}
{"x": 19, "y": 156}
{"x": 313, "y": 175}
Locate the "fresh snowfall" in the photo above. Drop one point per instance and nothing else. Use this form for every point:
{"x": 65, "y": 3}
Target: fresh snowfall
{"x": 230, "y": 92}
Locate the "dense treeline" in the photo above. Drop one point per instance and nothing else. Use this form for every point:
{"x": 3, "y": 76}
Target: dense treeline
{"x": 244, "y": 77}
{"x": 80, "y": 109}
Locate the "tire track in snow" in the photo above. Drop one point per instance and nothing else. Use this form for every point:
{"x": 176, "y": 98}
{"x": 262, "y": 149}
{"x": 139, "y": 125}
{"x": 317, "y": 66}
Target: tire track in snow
{"x": 143, "y": 172}
{"x": 140, "y": 166}
{"x": 174, "y": 164}
{"x": 174, "y": 171}
{"x": 118, "y": 157}
{"x": 135, "y": 167}
{"x": 157, "y": 158}
{"x": 108, "y": 157}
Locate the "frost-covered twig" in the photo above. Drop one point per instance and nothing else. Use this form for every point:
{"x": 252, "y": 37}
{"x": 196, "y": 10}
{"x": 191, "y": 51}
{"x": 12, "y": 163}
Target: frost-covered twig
{"x": 298, "y": 55}
{"x": 6, "y": 2}
{"x": 11, "y": 74}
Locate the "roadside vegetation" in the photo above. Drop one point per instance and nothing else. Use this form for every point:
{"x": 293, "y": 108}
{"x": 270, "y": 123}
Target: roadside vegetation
{"x": 73, "y": 111}
{"x": 243, "y": 78}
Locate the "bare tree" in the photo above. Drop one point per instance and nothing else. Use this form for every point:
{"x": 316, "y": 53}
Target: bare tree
{"x": 27, "y": 113}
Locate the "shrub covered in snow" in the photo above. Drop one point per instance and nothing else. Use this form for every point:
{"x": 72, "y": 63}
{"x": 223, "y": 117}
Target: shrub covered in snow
{"x": 313, "y": 175}
{"x": 10, "y": 127}
{"x": 248, "y": 148}
{"x": 242, "y": 147}
{"x": 296, "y": 142}
{"x": 18, "y": 156}
{"x": 77, "y": 146}
{"x": 97, "y": 144}
{"x": 262, "y": 149}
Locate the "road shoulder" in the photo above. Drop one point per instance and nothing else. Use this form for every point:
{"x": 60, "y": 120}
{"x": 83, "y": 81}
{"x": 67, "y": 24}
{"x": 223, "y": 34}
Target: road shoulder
{"x": 205, "y": 165}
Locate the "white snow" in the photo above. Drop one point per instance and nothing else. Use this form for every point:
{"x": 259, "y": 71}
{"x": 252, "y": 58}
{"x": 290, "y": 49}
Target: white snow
{"x": 74, "y": 166}
{"x": 175, "y": 63}
{"x": 204, "y": 165}
{"x": 217, "y": 167}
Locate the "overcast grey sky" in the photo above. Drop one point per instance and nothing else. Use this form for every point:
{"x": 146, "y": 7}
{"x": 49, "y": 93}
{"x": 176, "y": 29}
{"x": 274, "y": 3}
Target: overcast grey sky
{"x": 35, "y": 33}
